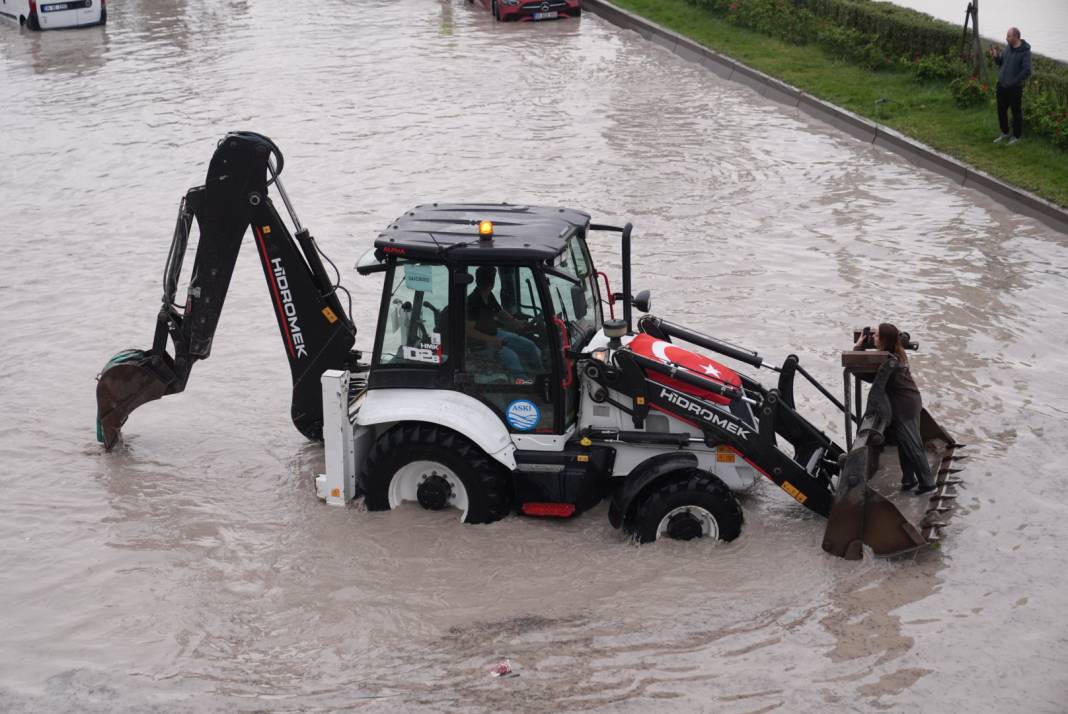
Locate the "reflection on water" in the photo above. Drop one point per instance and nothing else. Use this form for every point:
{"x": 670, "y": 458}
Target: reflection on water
{"x": 195, "y": 570}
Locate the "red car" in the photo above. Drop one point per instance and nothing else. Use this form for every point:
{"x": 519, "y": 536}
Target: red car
{"x": 527, "y": 10}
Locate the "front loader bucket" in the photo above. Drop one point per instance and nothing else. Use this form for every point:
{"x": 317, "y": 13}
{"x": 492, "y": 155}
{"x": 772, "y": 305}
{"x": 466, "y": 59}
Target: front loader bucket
{"x": 871, "y": 509}
{"x": 128, "y": 380}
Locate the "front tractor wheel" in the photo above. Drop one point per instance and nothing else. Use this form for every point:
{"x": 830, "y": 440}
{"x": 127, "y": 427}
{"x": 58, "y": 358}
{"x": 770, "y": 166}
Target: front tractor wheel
{"x": 438, "y": 469}
{"x": 695, "y": 505}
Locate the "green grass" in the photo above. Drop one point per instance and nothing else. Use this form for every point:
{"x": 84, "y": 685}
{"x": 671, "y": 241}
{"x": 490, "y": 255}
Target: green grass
{"x": 925, "y": 112}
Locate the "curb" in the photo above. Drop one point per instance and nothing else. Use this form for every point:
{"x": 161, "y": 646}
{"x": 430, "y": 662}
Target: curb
{"x": 921, "y": 155}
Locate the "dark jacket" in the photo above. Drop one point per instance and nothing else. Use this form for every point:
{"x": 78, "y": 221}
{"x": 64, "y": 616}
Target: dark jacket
{"x": 1015, "y": 65}
{"x": 901, "y": 390}
{"x": 904, "y": 395}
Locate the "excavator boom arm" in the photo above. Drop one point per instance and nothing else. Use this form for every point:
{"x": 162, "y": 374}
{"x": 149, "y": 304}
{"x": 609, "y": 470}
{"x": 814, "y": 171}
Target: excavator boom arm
{"x": 316, "y": 331}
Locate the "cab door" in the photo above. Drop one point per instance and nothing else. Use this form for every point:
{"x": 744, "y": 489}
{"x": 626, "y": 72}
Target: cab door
{"x": 508, "y": 359}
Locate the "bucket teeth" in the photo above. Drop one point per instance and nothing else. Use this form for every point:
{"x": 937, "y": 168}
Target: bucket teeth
{"x": 954, "y": 457}
{"x": 943, "y": 496}
{"x": 957, "y": 446}
{"x": 933, "y": 524}
{"x": 951, "y": 482}
{"x": 940, "y": 509}
{"x": 948, "y": 470}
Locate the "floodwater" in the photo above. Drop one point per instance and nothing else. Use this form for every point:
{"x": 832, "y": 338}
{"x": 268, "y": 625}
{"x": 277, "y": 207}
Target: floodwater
{"x": 1043, "y": 23}
{"x": 194, "y": 570}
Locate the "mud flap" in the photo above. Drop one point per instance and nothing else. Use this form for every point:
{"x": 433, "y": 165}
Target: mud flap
{"x": 129, "y": 379}
{"x": 871, "y": 509}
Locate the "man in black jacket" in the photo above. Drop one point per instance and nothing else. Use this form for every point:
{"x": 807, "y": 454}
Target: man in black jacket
{"x": 1015, "y": 63}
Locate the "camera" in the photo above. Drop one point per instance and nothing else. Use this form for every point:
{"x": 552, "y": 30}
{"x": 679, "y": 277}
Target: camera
{"x": 869, "y": 339}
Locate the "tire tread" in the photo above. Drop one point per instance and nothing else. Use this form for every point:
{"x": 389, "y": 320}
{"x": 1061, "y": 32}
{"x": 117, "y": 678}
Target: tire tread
{"x": 728, "y": 513}
{"x": 490, "y": 477}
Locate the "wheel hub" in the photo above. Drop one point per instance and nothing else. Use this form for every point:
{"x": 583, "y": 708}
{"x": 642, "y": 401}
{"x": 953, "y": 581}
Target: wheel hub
{"x": 434, "y": 492}
{"x": 683, "y": 526}
{"x": 687, "y": 523}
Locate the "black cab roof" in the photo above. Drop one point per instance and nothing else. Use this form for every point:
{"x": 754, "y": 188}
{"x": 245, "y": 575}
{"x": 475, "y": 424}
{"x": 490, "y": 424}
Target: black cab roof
{"x": 450, "y": 232}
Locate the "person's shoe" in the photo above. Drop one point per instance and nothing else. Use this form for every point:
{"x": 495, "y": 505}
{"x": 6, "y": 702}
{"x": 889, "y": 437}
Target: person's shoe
{"x": 1014, "y": 140}
{"x": 925, "y": 489}
{"x": 908, "y": 485}
{"x": 1003, "y": 137}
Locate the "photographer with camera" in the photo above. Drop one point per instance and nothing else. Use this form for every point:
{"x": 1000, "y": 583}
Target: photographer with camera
{"x": 905, "y": 405}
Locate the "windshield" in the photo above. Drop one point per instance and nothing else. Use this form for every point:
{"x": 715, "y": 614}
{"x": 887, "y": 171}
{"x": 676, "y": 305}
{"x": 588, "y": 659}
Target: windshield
{"x": 575, "y": 301}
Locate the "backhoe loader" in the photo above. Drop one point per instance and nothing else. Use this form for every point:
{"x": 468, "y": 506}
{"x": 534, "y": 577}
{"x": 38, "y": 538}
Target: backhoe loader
{"x": 498, "y": 384}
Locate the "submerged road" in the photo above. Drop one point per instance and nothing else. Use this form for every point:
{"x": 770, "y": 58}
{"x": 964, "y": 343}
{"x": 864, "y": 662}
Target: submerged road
{"x": 196, "y": 571}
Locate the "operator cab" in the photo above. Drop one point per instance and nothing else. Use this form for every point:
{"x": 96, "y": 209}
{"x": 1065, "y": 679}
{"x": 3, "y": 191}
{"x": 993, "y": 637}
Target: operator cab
{"x": 489, "y": 300}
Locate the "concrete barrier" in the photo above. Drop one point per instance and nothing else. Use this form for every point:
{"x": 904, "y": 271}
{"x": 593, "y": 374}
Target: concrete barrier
{"x": 853, "y": 124}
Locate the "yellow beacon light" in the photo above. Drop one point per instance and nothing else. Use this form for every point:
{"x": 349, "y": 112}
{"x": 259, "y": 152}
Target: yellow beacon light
{"x": 485, "y": 229}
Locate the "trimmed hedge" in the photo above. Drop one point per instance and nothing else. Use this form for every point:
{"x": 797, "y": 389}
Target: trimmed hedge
{"x": 901, "y": 32}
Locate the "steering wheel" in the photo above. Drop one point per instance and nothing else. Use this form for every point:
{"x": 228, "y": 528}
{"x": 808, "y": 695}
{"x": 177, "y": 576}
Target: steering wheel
{"x": 530, "y": 327}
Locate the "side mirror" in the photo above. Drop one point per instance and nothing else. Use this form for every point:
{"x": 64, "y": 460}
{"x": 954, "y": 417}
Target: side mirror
{"x": 578, "y": 301}
{"x": 643, "y": 301}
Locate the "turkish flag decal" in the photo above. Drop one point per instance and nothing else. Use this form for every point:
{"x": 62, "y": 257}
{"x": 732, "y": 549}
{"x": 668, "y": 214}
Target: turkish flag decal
{"x": 648, "y": 346}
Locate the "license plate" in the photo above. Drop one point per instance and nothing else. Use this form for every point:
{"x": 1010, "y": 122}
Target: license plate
{"x": 545, "y": 15}
{"x": 59, "y": 6}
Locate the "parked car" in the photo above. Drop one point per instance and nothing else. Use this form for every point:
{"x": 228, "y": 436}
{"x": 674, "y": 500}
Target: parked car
{"x": 531, "y": 10}
{"x": 36, "y": 15}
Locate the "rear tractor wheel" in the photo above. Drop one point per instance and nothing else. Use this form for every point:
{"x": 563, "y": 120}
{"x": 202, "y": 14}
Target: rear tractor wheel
{"x": 438, "y": 469}
{"x": 695, "y": 505}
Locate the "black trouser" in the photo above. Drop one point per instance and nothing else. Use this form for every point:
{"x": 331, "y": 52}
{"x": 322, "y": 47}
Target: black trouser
{"x": 1010, "y": 97}
{"x": 911, "y": 452}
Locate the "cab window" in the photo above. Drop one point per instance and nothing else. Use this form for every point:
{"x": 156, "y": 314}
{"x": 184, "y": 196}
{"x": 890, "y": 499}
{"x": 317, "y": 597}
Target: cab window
{"x": 414, "y": 319}
{"x": 506, "y": 342}
{"x": 508, "y": 355}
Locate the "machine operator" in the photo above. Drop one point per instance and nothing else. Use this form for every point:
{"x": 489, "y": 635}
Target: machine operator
{"x": 485, "y": 322}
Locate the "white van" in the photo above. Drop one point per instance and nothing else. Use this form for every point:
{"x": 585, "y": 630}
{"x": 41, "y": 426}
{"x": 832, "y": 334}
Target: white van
{"x": 52, "y": 15}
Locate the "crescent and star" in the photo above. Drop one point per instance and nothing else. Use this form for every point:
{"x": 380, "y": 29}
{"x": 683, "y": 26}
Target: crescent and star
{"x": 659, "y": 349}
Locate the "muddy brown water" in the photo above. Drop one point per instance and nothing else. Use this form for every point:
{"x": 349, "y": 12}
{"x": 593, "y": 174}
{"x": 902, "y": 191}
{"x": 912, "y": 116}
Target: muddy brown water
{"x": 195, "y": 570}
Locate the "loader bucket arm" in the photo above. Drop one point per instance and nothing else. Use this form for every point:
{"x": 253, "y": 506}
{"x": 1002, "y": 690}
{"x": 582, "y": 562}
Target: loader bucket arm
{"x": 315, "y": 330}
